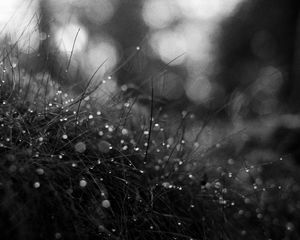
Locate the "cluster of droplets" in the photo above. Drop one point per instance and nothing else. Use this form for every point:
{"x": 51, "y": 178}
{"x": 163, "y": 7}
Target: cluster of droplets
{"x": 172, "y": 162}
{"x": 240, "y": 189}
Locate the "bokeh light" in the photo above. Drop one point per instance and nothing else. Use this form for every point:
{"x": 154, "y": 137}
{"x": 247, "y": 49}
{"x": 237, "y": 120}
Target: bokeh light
{"x": 199, "y": 89}
{"x": 199, "y": 42}
{"x": 201, "y": 9}
{"x": 183, "y": 33}
{"x": 98, "y": 11}
{"x": 159, "y": 13}
{"x": 101, "y": 52}
{"x": 170, "y": 46}
{"x": 66, "y": 40}
{"x": 207, "y": 10}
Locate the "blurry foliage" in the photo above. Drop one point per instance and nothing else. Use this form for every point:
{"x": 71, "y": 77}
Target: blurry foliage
{"x": 237, "y": 50}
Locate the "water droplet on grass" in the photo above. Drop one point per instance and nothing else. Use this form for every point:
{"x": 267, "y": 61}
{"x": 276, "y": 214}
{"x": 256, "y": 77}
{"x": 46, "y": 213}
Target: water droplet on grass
{"x": 80, "y": 147}
{"x": 105, "y": 203}
{"x": 82, "y": 183}
{"x": 124, "y": 131}
{"x": 40, "y": 171}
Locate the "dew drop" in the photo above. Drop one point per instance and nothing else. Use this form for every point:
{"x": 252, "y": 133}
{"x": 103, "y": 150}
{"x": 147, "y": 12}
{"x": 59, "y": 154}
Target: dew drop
{"x": 80, "y": 147}
{"x": 146, "y": 132}
{"x": 124, "y": 131}
{"x": 82, "y": 183}
{"x": 40, "y": 171}
{"x": 105, "y": 203}
{"x": 126, "y": 104}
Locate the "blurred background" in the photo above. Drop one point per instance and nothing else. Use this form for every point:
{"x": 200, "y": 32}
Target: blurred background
{"x": 237, "y": 58}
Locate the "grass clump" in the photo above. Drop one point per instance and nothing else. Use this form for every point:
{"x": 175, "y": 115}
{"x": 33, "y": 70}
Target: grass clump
{"x": 72, "y": 168}
{"x": 71, "y": 171}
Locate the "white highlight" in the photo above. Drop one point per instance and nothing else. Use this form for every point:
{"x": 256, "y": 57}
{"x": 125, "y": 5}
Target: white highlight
{"x": 19, "y": 21}
{"x": 207, "y": 9}
{"x": 170, "y": 46}
{"x": 159, "y": 13}
{"x": 65, "y": 38}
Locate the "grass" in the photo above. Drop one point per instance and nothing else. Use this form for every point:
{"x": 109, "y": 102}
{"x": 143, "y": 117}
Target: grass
{"x": 73, "y": 168}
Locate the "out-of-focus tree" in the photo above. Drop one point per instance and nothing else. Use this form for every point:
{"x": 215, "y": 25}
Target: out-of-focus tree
{"x": 258, "y": 55}
{"x": 240, "y": 57}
